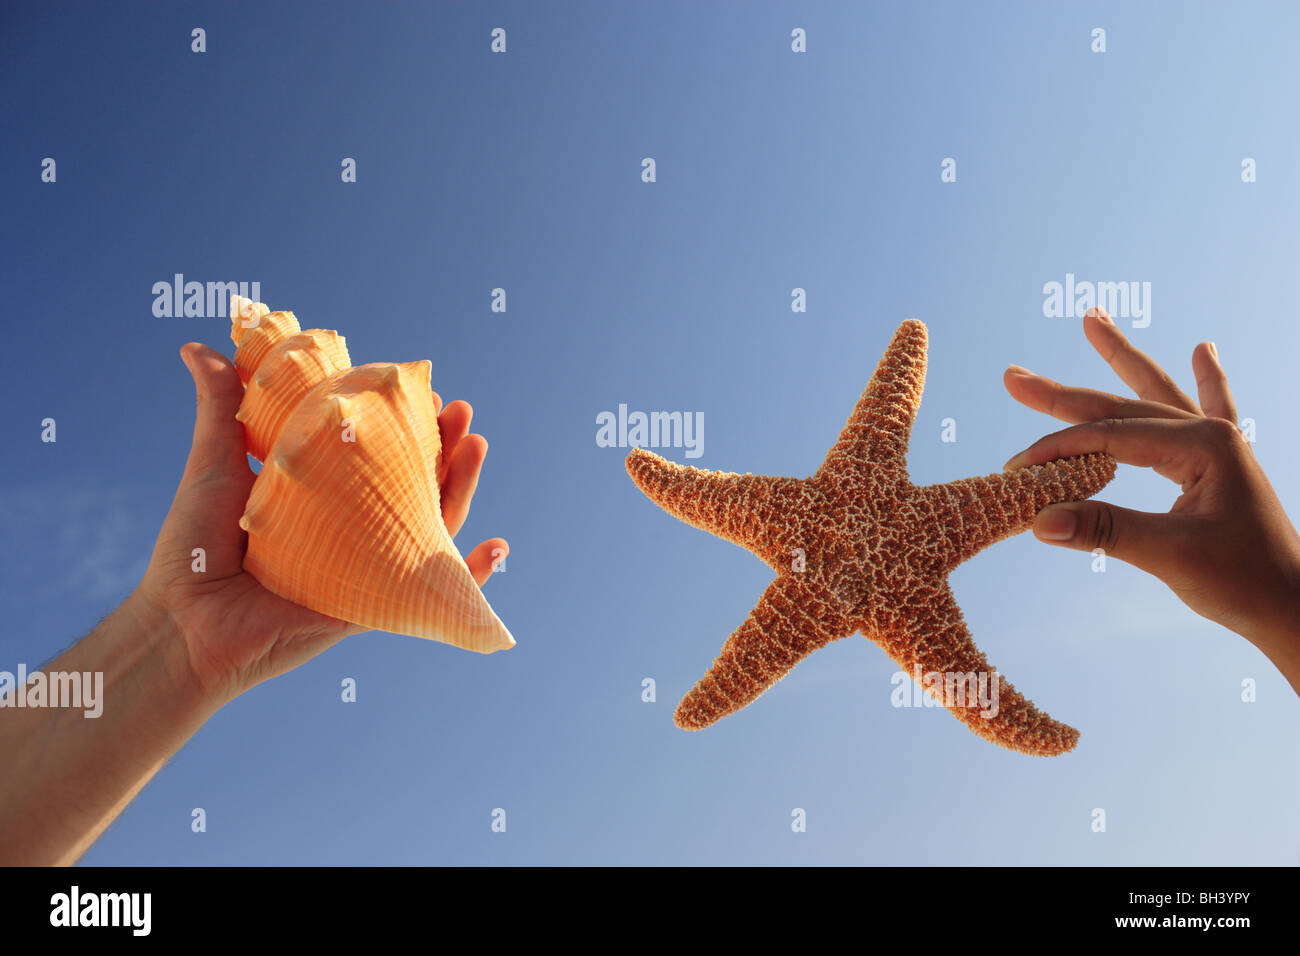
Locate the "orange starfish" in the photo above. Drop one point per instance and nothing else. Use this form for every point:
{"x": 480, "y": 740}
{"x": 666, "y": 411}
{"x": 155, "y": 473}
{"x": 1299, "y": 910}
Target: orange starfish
{"x": 858, "y": 547}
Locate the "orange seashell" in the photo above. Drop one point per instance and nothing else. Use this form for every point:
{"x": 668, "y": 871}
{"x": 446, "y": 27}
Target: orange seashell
{"x": 345, "y": 516}
{"x": 254, "y": 330}
{"x": 289, "y": 369}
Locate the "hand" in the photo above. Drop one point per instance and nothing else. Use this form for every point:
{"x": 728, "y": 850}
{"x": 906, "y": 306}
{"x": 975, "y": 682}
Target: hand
{"x": 238, "y": 633}
{"x": 1226, "y": 547}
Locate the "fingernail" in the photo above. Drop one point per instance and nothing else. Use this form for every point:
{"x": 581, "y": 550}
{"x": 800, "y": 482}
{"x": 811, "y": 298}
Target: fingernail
{"x": 1214, "y": 350}
{"x": 1018, "y": 370}
{"x": 1014, "y": 461}
{"x": 1056, "y": 524}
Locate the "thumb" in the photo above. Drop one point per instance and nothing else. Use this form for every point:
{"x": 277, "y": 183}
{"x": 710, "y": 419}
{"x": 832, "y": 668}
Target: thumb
{"x": 218, "y": 446}
{"x": 1141, "y": 539}
{"x": 205, "y": 511}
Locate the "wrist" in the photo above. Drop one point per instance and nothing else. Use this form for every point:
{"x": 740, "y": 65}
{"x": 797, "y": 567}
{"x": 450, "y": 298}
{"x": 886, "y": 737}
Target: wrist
{"x": 151, "y": 623}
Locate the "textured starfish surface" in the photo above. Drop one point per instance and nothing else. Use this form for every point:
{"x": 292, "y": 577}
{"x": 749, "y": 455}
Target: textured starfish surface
{"x": 858, "y": 547}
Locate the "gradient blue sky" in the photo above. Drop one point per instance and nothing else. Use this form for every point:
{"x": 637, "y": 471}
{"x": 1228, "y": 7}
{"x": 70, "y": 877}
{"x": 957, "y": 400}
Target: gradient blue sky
{"x": 775, "y": 170}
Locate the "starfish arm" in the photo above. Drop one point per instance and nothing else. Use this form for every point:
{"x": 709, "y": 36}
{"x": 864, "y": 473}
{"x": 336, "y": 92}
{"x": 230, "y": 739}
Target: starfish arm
{"x": 748, "y": 510}
{"x": 880, "y": 427}
{"x": 930, "y": 637}
{"x": 790, "y": 621}
{"x": 974, "y": 513}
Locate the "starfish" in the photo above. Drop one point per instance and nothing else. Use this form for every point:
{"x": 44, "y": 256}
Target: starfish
{"x": 858, "y": 548}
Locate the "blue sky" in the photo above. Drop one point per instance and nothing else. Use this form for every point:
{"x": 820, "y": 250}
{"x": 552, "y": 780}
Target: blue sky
{"x": 775, "y": 170}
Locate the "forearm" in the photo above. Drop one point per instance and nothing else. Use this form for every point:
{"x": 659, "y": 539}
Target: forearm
{"x": 1279, "y": 639}
{"x": 1271, "y": 616}
{"x": 68, "y": 775}
{"x": 1286, "y": 658}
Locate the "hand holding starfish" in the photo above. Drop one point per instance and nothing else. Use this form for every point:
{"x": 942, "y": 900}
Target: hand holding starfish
{"x": 1226, "y": 547}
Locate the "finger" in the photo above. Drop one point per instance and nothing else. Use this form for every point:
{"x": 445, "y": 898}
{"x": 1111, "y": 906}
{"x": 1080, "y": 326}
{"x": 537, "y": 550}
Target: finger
{"x": 1212, "y": 383}
{"x": 486, "y": 558}
{"x": 217, "y": 449}
{"x": 1138, "y": 370}
{"x": 453, "y": 425}
{"x": 211, "y": 495}
{"x": 1149, "y": 541}
{"x": 437, "y": 404}
{"x": 1176, "y": 448}
{"x": 1078, "y": 405}
{"x": 462, "y": 478}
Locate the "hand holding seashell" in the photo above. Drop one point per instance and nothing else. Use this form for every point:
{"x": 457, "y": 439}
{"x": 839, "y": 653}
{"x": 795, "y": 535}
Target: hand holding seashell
{"x": 347, "y": 527}
{"x": 365, "y": 479}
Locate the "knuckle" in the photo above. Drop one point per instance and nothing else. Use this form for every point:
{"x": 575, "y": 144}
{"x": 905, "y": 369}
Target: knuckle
{"x": 1103, "y": 531}
{"x": 1221, "y": 432}
{"x": 1125, "y": 408}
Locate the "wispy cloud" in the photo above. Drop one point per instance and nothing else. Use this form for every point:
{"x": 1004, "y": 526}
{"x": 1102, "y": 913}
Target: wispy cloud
{"x": 65, "y": 540}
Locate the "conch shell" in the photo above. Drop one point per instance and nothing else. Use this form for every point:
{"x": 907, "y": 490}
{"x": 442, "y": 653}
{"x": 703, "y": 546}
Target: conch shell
{"x": 345, "y": 515}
